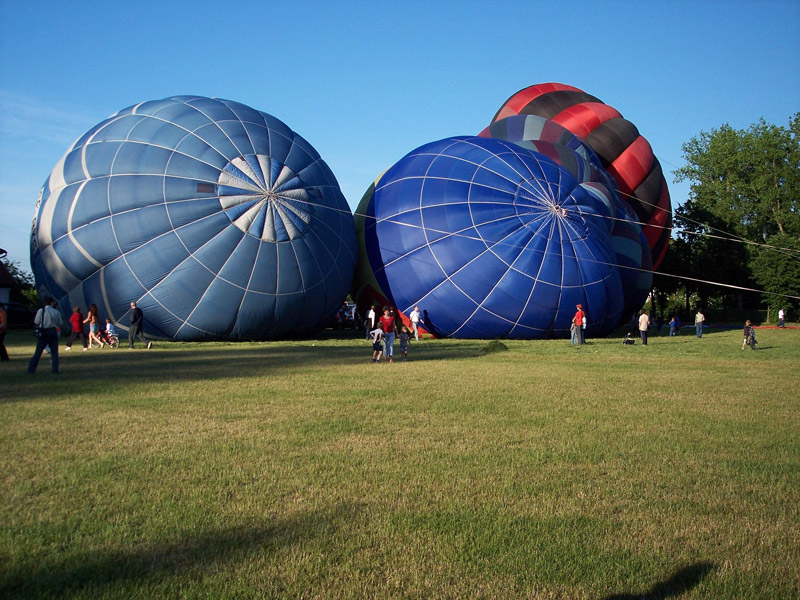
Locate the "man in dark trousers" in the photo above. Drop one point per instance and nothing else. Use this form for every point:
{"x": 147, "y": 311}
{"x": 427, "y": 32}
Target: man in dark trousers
{"x": 137, "y": 319}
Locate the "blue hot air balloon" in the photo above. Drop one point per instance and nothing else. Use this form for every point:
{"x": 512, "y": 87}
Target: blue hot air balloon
{"x": 490, "y": 240}
{"x": 217, "y": 219}
{"x": 627, "y": 236}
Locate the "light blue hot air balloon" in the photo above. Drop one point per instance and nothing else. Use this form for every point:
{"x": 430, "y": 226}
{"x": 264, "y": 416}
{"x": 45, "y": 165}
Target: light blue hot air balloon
{"x": 217, "y": 219}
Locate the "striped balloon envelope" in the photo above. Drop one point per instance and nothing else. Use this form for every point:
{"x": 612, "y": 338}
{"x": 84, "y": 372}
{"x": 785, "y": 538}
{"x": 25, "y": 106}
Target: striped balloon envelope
{"x": 216, "y": 218}
{"x": 626, "y": 154}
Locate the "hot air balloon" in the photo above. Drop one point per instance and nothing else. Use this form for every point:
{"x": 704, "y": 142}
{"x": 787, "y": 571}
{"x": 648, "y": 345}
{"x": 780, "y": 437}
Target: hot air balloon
{"x": 568, "y": 150}
{"x": 217, "y": 219}
{"x": 625, "y": 153}
{"x": 490, "y": 240}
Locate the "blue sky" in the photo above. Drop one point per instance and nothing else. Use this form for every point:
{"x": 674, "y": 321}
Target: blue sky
{"x": 366, "y": 82}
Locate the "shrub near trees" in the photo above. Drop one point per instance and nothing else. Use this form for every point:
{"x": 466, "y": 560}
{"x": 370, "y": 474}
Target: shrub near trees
{"x": 741, "y": 223}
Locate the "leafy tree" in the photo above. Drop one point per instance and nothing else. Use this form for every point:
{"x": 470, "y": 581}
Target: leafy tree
{"x": 745, "y": 186}
{"x": 777, "y": 270}
{"x": 749, "y": 179}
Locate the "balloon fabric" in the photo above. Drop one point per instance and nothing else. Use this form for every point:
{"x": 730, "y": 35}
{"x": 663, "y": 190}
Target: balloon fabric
{"x": 490, "y": 240}
{"x": 627, "y": 238}
{"x": 624, "y": 152}
{"x": 217, "y": 219}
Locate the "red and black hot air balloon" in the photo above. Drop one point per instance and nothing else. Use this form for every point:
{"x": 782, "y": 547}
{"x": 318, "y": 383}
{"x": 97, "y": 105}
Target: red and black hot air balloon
{"x": 625, "y": 153}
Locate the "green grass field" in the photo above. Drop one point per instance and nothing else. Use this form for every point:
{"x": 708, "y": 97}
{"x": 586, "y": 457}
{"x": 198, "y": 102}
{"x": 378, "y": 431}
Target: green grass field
{"x": 303, "y": 470}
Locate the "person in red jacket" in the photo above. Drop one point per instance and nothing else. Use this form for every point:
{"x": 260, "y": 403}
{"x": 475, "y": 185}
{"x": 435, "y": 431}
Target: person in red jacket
{"x": 76, "y": 328}
{"x": 577, "y": 323}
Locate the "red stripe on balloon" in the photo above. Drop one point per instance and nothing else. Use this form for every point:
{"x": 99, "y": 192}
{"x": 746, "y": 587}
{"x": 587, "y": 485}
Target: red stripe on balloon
{"x": 632, "y": 166}
{"x": 518, "y": 101}
{"x": 582, "y": 119}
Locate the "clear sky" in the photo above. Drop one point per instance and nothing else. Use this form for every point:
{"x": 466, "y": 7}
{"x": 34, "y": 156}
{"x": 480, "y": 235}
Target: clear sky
{"x": 366, "y": 82}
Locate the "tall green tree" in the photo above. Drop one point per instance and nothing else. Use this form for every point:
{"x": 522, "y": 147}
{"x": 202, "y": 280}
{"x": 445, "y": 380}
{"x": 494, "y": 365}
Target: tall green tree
{"x": 749, "y": 179}
{"x": 745, "y": 186}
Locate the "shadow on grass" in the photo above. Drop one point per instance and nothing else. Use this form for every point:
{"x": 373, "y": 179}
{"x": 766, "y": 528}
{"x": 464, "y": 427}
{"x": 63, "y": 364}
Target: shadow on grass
{"x": 94, "y": 572}
{"x": 680, "y": 582}
{"x": 98, "y": 370}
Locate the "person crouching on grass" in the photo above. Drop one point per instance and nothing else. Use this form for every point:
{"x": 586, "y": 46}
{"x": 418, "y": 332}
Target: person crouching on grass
{"x": 376, "y": 335}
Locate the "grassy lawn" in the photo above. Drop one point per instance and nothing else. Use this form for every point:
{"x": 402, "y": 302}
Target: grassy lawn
{"x": 303, "y": 470}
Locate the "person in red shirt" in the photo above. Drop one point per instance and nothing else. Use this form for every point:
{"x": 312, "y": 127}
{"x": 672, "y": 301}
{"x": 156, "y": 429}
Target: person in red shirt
{"x": 387, "y": 324}
{"x": 76, "y": 322}
{"x": 577, "y": 323}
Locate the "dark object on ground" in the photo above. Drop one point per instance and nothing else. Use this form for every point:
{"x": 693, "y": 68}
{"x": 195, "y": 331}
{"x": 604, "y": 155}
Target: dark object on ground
{"x": 494, "y": 346}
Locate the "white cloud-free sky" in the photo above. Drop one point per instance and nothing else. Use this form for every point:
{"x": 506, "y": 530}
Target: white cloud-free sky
{"x": 366, "y": 82}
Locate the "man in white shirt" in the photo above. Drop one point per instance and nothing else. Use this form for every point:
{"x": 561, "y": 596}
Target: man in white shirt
{"x": 48, "y": 325}
{"x": 644, "y": 323}
{"x": 415, "y": 321}
{"x": 781, "y": 315}
{"x": 699, "y": 320}
{"x": 369, "y": 322}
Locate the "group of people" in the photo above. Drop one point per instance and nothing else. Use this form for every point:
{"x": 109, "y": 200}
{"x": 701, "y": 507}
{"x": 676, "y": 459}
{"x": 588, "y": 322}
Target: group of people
{"x": 382, "y": 331}
{"x": 643, "y": 322}
{"x": 98, "y": 336}
{"x": 48, "y": 324}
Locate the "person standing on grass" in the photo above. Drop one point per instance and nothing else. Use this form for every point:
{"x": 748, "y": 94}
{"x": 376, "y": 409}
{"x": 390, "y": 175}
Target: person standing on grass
{"x": 137, "y": 320}
{"x": 644, "y": 323}
{"x": 415, "y": 321}
{"x": 583, "y": 328}
{"x": 48, "y": 320}
{"x": 371, "y": 320}
{"x": 699, "y": 319}
{"x": 673, "y": 326}
{"x": 3, "y": 330}
{"x": 577, "y": 325}
{"x": 76, "y": 328}
{"x": 387, "y": 324}
{"x": 781, "y": 315}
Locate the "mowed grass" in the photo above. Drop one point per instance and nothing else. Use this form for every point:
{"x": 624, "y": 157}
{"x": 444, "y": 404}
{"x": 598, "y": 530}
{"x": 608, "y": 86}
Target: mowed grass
{"x": 303, "y": 470}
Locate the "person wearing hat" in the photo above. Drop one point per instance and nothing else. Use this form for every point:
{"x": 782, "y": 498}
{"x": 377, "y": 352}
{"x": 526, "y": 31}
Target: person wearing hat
{"x": 577, "y": 325}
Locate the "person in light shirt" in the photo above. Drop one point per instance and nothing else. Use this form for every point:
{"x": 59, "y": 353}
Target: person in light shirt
{"x": 644, "y": 323}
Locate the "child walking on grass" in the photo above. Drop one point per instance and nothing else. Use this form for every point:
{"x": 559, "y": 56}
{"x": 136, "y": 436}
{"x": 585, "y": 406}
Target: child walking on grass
{"x": 749, "y": 336}
{"x": 376, "y": 335}
{"x": 405, "y": 335}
